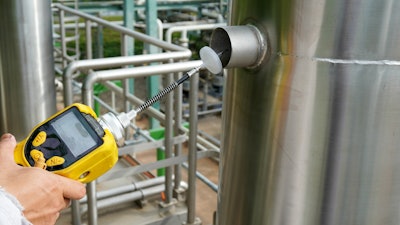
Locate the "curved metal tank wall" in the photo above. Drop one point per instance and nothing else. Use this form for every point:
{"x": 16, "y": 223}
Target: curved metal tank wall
{"x": 312, "y": 137}
{"x": 27, "y": 91}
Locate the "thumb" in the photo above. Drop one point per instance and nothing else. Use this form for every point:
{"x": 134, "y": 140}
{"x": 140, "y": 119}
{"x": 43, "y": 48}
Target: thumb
{"x": 7, "y": 146}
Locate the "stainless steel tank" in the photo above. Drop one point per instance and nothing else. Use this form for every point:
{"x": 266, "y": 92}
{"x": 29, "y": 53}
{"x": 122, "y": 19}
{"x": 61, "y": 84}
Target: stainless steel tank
{"x": 312, "y": 135}
{"x": 27, "y": 91}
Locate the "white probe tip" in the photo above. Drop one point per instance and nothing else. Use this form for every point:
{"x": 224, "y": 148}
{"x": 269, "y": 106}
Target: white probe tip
{"x": 210, "y": 60}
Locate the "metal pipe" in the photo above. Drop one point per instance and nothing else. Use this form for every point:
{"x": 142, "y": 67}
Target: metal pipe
{"x": 130, "y": 197}
{"x": 75, "y": 212}
{"x": 192, "y": 160}
{"x": 92, "y": 203}
{"x": 203, "y": 178}
{"x": 63, "y": 35}
{"x": 171, "y": 30}
{"x": 156, "y": 165}
{"x": 112, "y": 62}
{"x": 89, "y": 54}
{"x": 125, "y": 82}
{"x": 142, "y": 71}
{"x": 129, "y": 32}
{"x": 82, "y": 25}
{"x": 212, "y": 139}
{"x": 139, "y": 194}
{"x": 127, "y": 188}
{"x": 91, "y": 187}
{"x": 218, "y": 16}
{"x": 26, "y": 66}
{"x": 177, "y": 131}
{"x": 168, "y": 141}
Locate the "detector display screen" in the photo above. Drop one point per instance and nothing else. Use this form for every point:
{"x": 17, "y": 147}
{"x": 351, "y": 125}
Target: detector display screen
{"x": 76, "y": 135}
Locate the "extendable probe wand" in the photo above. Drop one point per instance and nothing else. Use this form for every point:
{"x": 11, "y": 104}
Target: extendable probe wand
{"x": 77, "y": 144}
{"x": 132, "y": 114}
{"x": 211, "y": 62}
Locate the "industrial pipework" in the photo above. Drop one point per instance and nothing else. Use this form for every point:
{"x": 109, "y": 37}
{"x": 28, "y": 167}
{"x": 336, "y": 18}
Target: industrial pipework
{"x": 118, "y": 123}
{"x": 27, "y": 90}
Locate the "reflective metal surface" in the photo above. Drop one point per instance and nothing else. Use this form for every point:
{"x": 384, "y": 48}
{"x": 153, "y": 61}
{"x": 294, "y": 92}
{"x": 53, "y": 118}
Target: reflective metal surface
{"x": 27, "y": 91}
{"x": 312, "y": 136}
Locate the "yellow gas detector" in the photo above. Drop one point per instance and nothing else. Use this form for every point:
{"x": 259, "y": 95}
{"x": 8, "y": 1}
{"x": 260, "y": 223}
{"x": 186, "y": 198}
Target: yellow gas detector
{"x": 71, "y": 143}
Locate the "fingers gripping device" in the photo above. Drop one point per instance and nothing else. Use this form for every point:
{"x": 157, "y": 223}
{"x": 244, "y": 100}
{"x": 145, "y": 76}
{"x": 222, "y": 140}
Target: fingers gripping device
{"x": 71, "y": 143}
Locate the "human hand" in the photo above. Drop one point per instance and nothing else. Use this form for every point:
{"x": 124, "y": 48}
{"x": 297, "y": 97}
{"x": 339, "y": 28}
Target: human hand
{"x": 42, "y": 194}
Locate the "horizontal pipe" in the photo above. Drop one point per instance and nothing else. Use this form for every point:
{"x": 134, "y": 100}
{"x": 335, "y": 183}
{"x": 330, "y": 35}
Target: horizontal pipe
{"x": 129, "y": 197}
{"x": 113, "y": 62}
{"x": 126, "y": 188}
{"x": 203, "y": 178}
{"x": 171, "y": 30}
{"x": 143, "y": 71}
{"x": 125, "y": 73}
{"x": 124, "y": 30}
{"x": 155, "y": 165}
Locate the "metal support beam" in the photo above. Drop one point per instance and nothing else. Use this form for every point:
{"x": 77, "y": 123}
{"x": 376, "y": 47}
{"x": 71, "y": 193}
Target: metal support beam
{"x": 129, "y": 18}
{"x": 152, "y": 31}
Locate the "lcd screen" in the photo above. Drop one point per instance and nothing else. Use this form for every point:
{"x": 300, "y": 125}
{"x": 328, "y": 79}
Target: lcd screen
{"x": 73, "y": 133}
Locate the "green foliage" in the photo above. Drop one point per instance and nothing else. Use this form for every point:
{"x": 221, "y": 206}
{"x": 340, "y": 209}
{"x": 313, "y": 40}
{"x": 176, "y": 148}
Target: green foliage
{"x": 111, "y": 41}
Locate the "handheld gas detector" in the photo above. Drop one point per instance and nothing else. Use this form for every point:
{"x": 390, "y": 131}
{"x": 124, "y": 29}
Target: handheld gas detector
{"x": 71, "y": 143}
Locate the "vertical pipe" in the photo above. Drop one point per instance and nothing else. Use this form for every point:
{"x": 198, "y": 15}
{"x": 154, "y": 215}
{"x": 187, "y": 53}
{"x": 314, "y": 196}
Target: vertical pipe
{"x": 152, "y": 31}
{"x": 27, "y": 90}
{"x": 99, "y": 42}
{"x": 129, "y": 12}
{"x": 87, "y": 98}
{"x": 128, "y": 23}
{"x": 63, "y": 37}
{"x": 178, "y": 122}
{"x": 168, "y": 141}
{"x": 75, "y": 212}
{"x": 88, "y": 25}
{"x": 89, "y": 52}
{"x": 193, "y": 120}
{"x": 92, "y": 203}
{"x": 125, "y": 82}
{"x": 68, "y": 94}
{"x": 76, "y": 33}
{"x": 205, "y": 93}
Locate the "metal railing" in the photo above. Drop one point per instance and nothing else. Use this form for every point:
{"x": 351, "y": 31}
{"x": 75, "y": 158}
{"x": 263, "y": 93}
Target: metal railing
{"x": 172, "y": 54}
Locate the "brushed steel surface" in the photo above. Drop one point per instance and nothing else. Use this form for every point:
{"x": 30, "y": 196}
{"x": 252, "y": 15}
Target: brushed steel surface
{"x": 312, "y": 137}
{"x": 27, "y": 94}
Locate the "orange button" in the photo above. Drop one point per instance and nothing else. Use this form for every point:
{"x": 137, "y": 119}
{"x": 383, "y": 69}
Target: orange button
{"x": 39, "y": 159}
{"x": 36, "y": 155}
{"x": 39, "y": 139}
{"x": 55, "y": 161}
